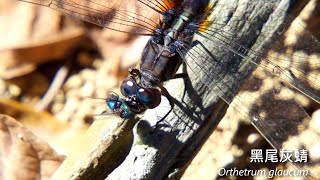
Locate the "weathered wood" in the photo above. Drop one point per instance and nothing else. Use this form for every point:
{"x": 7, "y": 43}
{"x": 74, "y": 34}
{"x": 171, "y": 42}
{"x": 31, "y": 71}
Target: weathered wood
{"x": 101, "y": 149}
{"x": 166, "y": 151}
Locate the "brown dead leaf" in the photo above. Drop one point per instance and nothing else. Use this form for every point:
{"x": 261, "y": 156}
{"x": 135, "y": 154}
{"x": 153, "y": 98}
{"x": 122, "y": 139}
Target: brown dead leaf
{"x": 23, "y": 59}
{"x": 23, "y": 155}
{"x": 32, "y": 35}
{"x": 58, "y": 134}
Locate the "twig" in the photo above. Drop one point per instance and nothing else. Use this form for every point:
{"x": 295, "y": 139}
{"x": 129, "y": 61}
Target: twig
{"x": 55, "y": 86}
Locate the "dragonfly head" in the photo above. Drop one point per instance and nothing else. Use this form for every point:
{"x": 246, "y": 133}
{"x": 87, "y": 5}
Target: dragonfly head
{"x": 141, "y": 96}
{"x": 137, "y": 99}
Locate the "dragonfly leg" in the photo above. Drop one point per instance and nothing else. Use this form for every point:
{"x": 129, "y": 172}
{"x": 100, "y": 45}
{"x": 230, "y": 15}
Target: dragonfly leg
{"x": 165, "y": 92}
{"x": 135, "y": 72}
{"x": 180, "y": 75}
{"x": 171, "y": 99}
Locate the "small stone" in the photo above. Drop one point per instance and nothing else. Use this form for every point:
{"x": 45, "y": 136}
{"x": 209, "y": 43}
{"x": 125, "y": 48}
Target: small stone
{"x": 252, "y": 138}
{"x": 57, "y": 107}
{"x": 97, "y": 63}
{"x": 58, "y": 102}
{"x": 73, "y": 93}
{"x": 60, "y": 97}
{"x": 74, "y": 81}
{"x": 101, "y": 93}
{"x": 315, "y": 121}
{"x": 83, "y": 110}
{"x": 88, "y": 74}
{"x": 87, "y": 90}
{"x": 106, "y": 83}
{"x": 68, "y": 110}
{"x": 14, "y": 90}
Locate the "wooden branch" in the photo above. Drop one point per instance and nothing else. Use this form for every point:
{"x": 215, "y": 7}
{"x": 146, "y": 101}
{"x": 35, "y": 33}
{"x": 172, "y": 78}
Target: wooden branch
{"x": 102, "y": 149}
{"x": 166, "y": 151}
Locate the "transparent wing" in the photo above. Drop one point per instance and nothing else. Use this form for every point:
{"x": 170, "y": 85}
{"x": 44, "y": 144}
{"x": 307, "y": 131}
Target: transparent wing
{"x": 269, "y": 105}
{"x": 132, "y": 16}
{"x": 288, "y": 62}
{"x": 265, "y": 99}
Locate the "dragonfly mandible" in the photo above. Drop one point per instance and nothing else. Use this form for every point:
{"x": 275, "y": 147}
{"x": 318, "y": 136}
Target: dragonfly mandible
{"x": 172, "y": 43}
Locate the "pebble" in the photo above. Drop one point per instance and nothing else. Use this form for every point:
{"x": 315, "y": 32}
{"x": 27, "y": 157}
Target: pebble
{"x": 253, "y": 138}
{"x": 74, "y": 81}
{"x": 97, "y": 63}
{"x": 14, "y": 90}
{"x": 315, "y": 121}
{"x": 57, "y": 107}
{"x": 107, "y": 82}
{"x": 87, "y": 90}
{"x": 60, "y": 97}
{"x": 73, "y": 93}
{"x": 82, "y": 110}
{"x": 101, "y": 93}
{"x": 88, "y": 74}
{"x": 70, "y": 107}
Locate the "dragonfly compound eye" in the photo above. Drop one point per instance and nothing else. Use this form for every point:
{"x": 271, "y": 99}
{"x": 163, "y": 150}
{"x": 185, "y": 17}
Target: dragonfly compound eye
{"x": 129, "y": 87}
{"x": 150, "y": 97}
{"x": 125, "y": 112}
{"x": 118, "y": 106}
{"x": 113, "y": 102}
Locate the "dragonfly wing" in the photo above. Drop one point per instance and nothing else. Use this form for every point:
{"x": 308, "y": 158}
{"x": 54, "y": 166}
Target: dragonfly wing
{"x": 285, "y": 60}
{"x": 275, "y": 112}
{"x": 132, "y": 16}
{"x": 269, "y": 103}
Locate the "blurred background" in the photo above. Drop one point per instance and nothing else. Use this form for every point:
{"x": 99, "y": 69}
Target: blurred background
{"x": 52, "y": 66}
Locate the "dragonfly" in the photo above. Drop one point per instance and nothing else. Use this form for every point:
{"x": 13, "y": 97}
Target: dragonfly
{"x": 184, "y": 31}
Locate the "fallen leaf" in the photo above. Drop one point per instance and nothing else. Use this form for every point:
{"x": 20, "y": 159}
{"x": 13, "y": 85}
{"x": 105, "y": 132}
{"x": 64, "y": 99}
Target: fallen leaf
{"x": 58, "y": 134}
{"x": 22, "y": 59}
{"x": 23, "y": 155}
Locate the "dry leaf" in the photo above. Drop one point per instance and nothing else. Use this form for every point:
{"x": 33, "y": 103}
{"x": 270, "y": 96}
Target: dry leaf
{"x": 23, "y": 59}
{"x": 58, "y": 134}
{"x": 31, "y": 35}
{"x": 23, "y": 155}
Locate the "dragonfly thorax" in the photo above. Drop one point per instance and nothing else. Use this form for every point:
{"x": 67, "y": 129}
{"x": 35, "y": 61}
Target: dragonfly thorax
{"x": 176, "y": 30}
{"x": 158, "y": 63}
